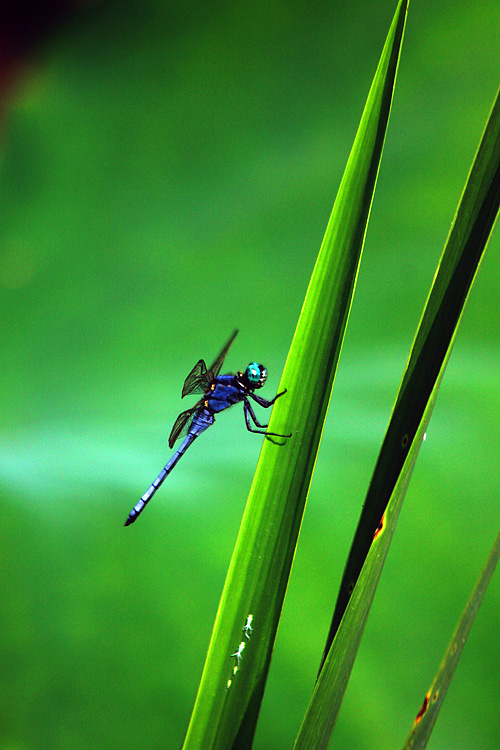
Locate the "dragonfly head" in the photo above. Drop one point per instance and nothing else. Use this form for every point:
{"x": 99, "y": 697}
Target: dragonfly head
{"x": 255, "y": 375}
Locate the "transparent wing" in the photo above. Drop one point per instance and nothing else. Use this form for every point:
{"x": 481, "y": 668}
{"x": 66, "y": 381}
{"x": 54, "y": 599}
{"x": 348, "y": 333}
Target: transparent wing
{"x": 182, "y": 424}
{"x": 215, "y": 368}
{"x": 198, "y": 380}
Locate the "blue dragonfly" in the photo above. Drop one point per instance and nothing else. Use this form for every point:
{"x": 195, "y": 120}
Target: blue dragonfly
{"x": 219, "y": 393}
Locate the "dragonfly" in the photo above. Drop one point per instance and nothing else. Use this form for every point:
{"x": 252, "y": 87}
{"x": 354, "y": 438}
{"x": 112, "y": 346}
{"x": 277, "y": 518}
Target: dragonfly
{"x": 219, "y": 392}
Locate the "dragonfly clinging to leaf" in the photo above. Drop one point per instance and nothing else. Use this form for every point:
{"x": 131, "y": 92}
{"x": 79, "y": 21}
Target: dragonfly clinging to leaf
{"x": 219, "y": 393}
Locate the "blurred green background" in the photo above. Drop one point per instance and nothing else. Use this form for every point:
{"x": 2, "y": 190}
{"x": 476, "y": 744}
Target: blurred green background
{"x": 166, "y": 174}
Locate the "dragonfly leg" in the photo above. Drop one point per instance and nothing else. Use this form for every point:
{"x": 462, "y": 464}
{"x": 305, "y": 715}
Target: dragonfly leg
{"x": 249, "y": 412}
{"x": 263, "y": 401}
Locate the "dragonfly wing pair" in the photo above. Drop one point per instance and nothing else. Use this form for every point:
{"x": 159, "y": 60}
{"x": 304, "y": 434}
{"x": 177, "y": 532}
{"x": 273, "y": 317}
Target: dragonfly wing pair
{"x": 198, "y": 381}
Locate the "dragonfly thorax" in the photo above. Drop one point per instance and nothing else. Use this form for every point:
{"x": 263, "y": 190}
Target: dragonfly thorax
{"x": 255, "y": 375}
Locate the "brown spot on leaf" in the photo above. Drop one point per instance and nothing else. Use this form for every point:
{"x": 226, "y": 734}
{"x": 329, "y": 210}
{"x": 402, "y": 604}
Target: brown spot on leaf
{"x": 423, "y": 709}
{"x": 379, "y": 527}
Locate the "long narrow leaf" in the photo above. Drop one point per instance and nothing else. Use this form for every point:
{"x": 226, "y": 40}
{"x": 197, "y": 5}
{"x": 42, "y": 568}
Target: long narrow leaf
{"x": 319, "y": 720}
{"x": 455, "y": 275}
{"x": 477, "y": 212}
{"x": 230, "y": 694}
{"x": 426, "y": 717}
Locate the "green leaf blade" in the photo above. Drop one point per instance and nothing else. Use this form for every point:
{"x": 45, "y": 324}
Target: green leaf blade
{"x": 320, "y": 717}
{"x": 414, "y": 404}
{"x": 225, "y": 717}
{"x": 457, "y": 269}
{"x": 427, "y": 716}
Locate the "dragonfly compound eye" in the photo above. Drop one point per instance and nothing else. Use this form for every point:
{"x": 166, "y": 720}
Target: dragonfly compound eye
{"x": 256, "y": 375}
